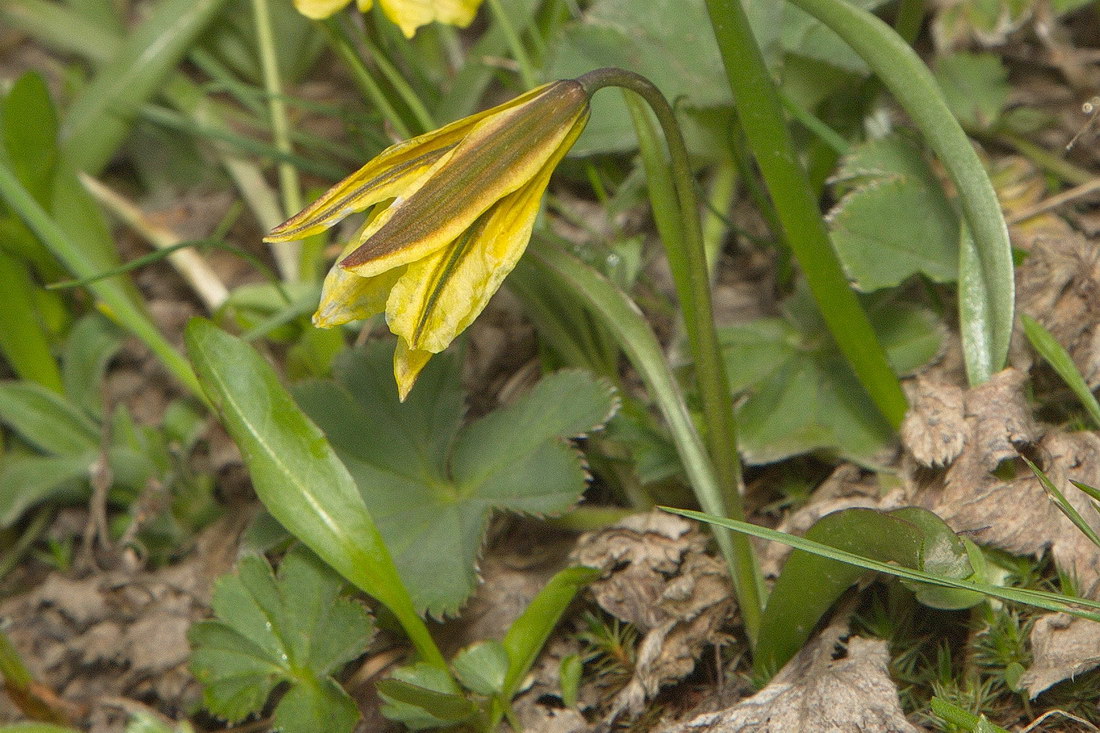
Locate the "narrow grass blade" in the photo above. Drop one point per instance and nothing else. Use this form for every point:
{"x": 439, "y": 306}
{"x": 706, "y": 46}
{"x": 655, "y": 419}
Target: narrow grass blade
{"x": 114, "y": 294}
{"x": 796, "y": 205}
{"x": 1055, "y": 355}
{"x": 625, "y": 322}
{"x": 1039, "y": 599}
{"x": 1063, "y": 504}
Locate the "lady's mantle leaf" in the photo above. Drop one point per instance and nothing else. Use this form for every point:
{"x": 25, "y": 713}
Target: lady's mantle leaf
{"x": 430, "y": 484}
{"x": 294, "y": 628}
{"x": 894, "y": 219}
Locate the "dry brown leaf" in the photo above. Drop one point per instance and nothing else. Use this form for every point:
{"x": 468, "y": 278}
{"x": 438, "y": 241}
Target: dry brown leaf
{"x": 1059, "y": 286}
{"x": 658, "y": 577}
{"x": 934, "y": 429}
{"x": 1062, "y": 646}
{"x": 820, "y": 691}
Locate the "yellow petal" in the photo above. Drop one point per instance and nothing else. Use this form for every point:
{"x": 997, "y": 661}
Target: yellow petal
{"x": 319, "y": 9}
{"x": 407, "y": 364}
{"x": 393, "y": 172}
{"x": 501, "y": 154}
{"x": 347, "y": 297}
{"x": 440, "y": 295}
{"x": 411, "y": 14}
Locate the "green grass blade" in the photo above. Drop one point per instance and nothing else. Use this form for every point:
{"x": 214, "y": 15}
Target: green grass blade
{"x": 1063, "y": 504}
{"x": 115, "y": 295}
{"x": 100, "y": 117}
{"x": 987, "y": 289}
{"x": 1039, "y": 599}
{"x": 625, "y": 321}
{"x": 761, "y": 115}
{"x": 1058, "y": 358}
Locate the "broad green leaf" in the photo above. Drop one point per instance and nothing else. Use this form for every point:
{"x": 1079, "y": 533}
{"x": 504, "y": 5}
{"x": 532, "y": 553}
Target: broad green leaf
{"x": 421, "y": 697}
{"x": 35, "y": 728}
{"x": 801, "y": 394}
{"x": 805, "y": 36}
{"x": 293, "y": 628}
{"x": 808, "y": 584}
{"x": 975, "y": 86}
{"x": 297, "y": 475}
{"x": 894, "y": 219}
{"x": 648, "y": 38}
{"x": 46, "y": 419}
{"x": 432, "y": 487}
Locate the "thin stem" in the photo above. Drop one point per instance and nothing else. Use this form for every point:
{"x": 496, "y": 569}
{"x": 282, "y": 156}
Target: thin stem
{"x": 761, "y": 115}
{"x": 339, "y": 43}
{"x": 424, "y": 118}
{"x": 286, "y": 257}
{"x": 721, "y": 434}
{"x": 519, "y": 53}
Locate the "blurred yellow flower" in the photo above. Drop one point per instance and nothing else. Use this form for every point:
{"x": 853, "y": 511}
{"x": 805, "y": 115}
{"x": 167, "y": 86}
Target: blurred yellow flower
{"x": 407, "y": 14}
{"x": 452, "y": 212}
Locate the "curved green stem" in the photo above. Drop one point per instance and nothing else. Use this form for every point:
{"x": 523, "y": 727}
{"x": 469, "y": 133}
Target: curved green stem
{"x": 626, "y": 323}
{"x": 761, "y": 115}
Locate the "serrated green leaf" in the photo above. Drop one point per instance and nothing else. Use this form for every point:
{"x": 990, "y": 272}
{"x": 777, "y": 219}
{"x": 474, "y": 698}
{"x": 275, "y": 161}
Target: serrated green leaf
{"x": 801, "y": 394}
{"x": 46, "y": 420}
{"x": 894, "y": 220}
{"x": 292, "y": 628}
{"x": 432, "y": 487}
{"x": 975, "y": 86}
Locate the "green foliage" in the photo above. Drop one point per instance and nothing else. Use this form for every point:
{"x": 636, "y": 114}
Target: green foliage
{"x": 801, "y": 394}
{"x": 62, "y": 439}
{"x": 297, "y": 475}
{"x": 423, "y": 697}
{"x": 293, "y": 628}
{"x": 975, "y": 87}
{"x": 1059, "y": 359}
{"x": 893, "y": 219}
{"x": 432, "y": 483}
{"x": 808, "y": 584}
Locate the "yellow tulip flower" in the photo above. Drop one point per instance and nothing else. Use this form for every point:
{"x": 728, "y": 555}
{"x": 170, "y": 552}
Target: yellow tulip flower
{"x": 453, "y": 210}
{"x": 407, "y": 14}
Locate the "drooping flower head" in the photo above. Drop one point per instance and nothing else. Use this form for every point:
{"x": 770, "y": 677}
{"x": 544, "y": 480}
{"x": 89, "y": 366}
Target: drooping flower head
{"x": 450, "y": 214}
{"x": 407, "y": 14}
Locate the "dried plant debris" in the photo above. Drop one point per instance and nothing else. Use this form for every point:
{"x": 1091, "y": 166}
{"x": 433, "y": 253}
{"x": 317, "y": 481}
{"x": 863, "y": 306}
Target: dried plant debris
{"x": 118, "y": 634}
{"x": 829, "y": 687}
{"x": 1059, "y": 286}
{"x": 1062, "y": 647}
{"x": 658, "y": 577}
